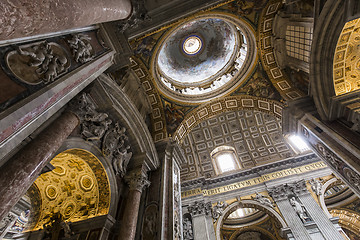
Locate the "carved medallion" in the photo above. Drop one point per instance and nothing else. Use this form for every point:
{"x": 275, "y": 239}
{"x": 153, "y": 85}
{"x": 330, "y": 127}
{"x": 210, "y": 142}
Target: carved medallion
{"x": 39, "y": 62}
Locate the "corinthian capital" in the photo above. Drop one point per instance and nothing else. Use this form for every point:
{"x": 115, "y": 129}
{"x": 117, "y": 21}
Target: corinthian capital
{"x": 282, "y": 192}
{"x": 137, "y": 180}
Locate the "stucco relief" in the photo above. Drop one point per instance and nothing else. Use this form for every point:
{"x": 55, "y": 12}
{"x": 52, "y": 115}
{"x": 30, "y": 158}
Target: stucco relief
{"x": 263, "y": 200}
{"x": 98, "y": 128}
{"x": 40, "y": 62}
{"x": 81, "y": 48}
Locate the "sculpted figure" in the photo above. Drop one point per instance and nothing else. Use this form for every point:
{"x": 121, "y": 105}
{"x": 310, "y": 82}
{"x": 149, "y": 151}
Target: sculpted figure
{"x": 218, "y": 209}
{"x": 187, "y": 229}
{"x": 95, "y": 126}
{"x": 316, "y": 186}
{"x": 81, "y": 48}
{"x": 113, "y": 139}
{"x": 299, "y": 209}
{"x": 262, "y": 200}
{"x": 121, "y": 160}
{"x": 38, "y": 53}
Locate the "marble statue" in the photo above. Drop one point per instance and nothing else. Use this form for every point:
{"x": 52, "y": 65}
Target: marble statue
{"x": 299, "y": 209}
{"x": 316, "y": 186}
{"x": 95, "y": 126}
{"x": 187, "y": 229}
{"x": 121, "y": 160}
{"x": 263, "y": 200}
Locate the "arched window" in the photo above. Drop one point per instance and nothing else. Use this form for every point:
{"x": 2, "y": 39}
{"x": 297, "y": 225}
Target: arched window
{"x": 224, "y": 159}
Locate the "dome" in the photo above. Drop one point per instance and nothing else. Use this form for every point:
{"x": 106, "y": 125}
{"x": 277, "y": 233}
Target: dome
{"x": 197, "y": 51}
{"x": 204, "y": 57}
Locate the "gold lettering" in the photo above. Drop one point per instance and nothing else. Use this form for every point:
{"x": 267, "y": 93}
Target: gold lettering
{"x": 254, "y": 181}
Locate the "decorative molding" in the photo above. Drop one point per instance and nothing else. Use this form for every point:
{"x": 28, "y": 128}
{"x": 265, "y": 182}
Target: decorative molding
{"x": 292, "y": 162}
{"x": 158, "y": 114}
{"x": 278, "y": 78}
{"x": 340, "y": 167}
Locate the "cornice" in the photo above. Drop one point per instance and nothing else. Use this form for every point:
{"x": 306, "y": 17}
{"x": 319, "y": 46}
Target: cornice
{"x": 290, "y": 162}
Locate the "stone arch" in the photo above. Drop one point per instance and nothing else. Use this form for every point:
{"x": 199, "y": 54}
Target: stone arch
{"x": 116, "y": 103}
{"x": 324, "y": 44}
{"x": 322, "y": 198}
{"x": 251, "y": 204}
{"x": 326, "y": 186}
{"x": 233, "y": 103}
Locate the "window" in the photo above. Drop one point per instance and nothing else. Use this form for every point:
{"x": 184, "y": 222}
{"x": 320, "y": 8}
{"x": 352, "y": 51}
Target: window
{"x": 224, "y": 159}
{"x": 298, "y": 144}
{"x": 298, "y": 42}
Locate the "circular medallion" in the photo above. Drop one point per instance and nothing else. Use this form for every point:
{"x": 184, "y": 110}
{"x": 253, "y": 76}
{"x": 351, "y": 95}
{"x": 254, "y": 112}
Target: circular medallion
{"x": 192, "y": 45}
{"x": 68, "y": 209}
{"x": 51, "y": 192}
{"x": 86, "y": 182}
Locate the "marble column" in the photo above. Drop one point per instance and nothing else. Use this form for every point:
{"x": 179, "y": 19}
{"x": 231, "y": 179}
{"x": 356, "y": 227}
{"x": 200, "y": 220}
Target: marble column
{"x": 170, "y": 190}
{"x": 18, "y": 173}
{"x": 280, "y": 196}
{"x": 137, "y": 181}
{"x": 23, "y": 18}
{"x": 202, "y": 220}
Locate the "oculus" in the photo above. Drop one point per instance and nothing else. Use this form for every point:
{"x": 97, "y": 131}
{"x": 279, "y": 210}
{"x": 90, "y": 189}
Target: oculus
{"x": 192, "y": 45}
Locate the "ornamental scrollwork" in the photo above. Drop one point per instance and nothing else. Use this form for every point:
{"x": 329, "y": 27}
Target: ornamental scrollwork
{"x": 339, "y": 166}
{"x": 137, "y": 180}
